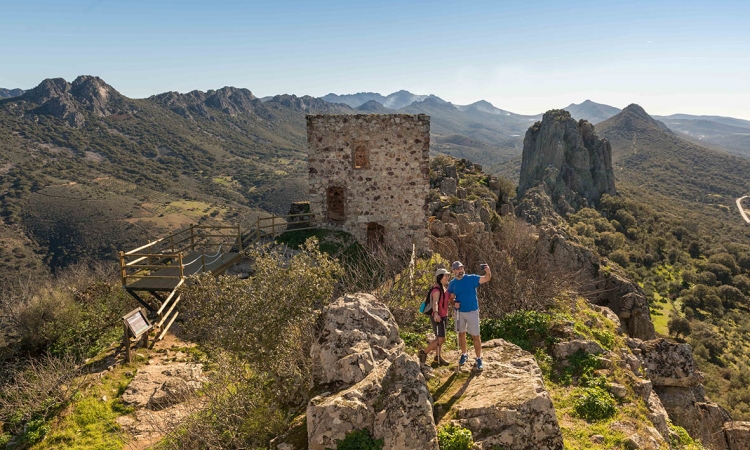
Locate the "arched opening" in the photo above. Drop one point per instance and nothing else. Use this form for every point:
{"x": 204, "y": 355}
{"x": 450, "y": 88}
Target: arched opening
{"x": 335, "y": 210}
{"x": 375, "y": 234}
{"x": 361, "y": 157}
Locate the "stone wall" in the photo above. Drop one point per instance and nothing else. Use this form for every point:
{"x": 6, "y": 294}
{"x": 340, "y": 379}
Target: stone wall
{"x": 370, "y": 176}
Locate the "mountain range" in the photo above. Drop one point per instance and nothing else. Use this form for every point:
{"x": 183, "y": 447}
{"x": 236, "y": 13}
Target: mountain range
{"x": 87, "y": 170}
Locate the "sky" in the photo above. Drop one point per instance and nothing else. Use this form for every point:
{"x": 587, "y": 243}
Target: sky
{"x": 526, "y": 57}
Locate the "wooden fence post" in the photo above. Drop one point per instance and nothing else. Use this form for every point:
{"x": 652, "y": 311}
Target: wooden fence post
{"x": 123, "y": 268}
{"x": 126, "y": 342}
{"x": 192, "y": 237}
{"x": 182, "y": 269}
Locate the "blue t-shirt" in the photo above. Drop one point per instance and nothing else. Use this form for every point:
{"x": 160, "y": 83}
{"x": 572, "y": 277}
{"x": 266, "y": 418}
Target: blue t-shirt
{"x": 466, "y": 292}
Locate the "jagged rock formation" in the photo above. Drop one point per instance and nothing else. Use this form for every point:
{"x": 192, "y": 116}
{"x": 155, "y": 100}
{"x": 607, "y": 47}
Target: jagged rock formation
{"x": 508, "y": 406}
{"x": 568, "y": 157}
{"x": 307, "y": 104}
{"x": 384, "y": 389}
{"x": 69, "y": 101}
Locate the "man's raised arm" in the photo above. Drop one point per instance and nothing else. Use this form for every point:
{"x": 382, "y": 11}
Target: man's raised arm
{"x": 487, "y": 274}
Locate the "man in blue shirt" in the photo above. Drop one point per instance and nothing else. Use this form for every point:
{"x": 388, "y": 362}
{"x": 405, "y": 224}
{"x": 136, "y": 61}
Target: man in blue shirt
{"x": 464, "y": 290}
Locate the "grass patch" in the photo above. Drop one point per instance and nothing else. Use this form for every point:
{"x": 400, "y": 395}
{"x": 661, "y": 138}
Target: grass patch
{"x": 90, "y": 422}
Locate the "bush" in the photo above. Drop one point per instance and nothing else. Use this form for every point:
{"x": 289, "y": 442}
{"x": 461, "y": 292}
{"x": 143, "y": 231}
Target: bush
{"x": 72, "y": 314}
{"x": 581, "y": 365}
{"x": 238, "y": 409}
{"x": 33, "y": 394}
{"x": 359, "y": 440}
{"x": 267, "y": 320}
{"x": 451, "y": 437}
{"x": 594, "y": 403}
{"x": 526, "y": 329}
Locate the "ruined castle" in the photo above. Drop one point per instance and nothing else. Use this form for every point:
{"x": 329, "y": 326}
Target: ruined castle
{"x": 370, "y": 176}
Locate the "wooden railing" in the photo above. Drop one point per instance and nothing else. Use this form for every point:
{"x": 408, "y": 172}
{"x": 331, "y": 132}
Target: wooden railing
{"x": 270, "y": 226}
{"x": 171, "y": 252}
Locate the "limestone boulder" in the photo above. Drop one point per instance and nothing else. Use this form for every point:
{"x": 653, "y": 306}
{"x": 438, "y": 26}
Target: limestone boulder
{"x": 637, "y": 438}
{"x": 669, "y": 364}
{"x": 563, "y": 350}
{"x": 658, "y": 415}
{"x": 358, "y": 332}
{"x": 676, "y": 380}
{"x": 737, "y": 435}
{"x": 448, "y": 186}
{"x": 507, "y": 406}
{"x": 392, "y": 401}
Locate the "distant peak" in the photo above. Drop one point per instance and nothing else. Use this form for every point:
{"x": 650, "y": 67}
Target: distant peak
{"x": 635, "y": 108}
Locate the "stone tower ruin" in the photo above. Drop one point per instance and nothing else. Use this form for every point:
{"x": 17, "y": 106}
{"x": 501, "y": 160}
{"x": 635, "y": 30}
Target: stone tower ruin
{"x": 370, "y": 176}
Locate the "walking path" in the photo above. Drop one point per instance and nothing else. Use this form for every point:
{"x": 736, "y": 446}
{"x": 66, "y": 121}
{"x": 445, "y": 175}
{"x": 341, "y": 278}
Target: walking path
{"x": 742, "y": 211}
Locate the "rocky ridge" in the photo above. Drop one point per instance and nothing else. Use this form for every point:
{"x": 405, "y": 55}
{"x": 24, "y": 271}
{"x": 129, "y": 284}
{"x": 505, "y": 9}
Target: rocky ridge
{"x": 229, "y": 100}
{"x": 7, "y": 93}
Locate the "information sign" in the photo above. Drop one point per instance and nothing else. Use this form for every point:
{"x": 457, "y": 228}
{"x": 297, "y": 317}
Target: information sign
{"x": 137, "y": 322}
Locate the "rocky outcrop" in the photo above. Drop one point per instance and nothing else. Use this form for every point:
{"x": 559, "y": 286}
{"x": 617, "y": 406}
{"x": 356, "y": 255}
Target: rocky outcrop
{"x": 57, "y": 98}
{"x": 677, "y": 382}
{"x": 383, "y": 388}
{"x": 158, "y": 386}
{"x": 508, "y": 406}
{"x": 569, "y": 159}
{"x": 358, "y": 333}
{"x": 609, "y": 288}
{"x": 393, "y": 402}
{"x": 737, "y": 435}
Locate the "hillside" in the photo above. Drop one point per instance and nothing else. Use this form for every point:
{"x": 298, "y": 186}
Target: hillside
{"x": 727, "y": 133}
{"x": 651, "y": 159}
{"x": 88, "y": 171}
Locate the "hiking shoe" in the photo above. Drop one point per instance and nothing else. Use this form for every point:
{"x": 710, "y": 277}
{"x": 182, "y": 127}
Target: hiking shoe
{"x": 463, "y": 359}
{"x": 422, "y": 356}
{"x": 440, "y": 361}
{"x": 479, "y": 364}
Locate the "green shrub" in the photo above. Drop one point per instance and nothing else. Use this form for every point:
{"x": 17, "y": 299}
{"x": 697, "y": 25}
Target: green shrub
{"x": 451, "y": 437}
{"x": 526, "y": 329}
{"x": 604, "y": 337}
{"x": 359, "y": 440}
{"x": 594, "y": 403}
{"x": 582, "y": 366}
{"x": 412, "y": 339}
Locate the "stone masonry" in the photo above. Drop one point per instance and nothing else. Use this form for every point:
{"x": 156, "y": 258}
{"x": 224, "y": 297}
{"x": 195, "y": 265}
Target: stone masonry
{"x": 370, "y": 176}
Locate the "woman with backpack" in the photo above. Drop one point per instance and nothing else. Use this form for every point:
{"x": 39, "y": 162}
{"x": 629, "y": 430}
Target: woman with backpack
{"x": 439, "y": 298}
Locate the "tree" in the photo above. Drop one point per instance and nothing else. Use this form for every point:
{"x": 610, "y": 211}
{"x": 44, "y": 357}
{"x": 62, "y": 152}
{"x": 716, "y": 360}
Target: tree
{"x": 679, "y": 326}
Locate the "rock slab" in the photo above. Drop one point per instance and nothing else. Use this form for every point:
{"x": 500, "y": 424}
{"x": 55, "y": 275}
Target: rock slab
{"x": 507, "y": 405}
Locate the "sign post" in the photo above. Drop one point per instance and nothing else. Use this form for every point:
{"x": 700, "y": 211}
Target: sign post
{"x": 135, "y": 324}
